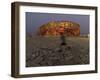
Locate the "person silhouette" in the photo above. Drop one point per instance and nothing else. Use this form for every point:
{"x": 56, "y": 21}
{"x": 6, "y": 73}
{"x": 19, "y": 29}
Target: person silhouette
{"x": 63, "y": 39}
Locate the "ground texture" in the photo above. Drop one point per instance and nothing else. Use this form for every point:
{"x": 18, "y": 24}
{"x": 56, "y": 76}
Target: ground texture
{"x": 48, "y": 51}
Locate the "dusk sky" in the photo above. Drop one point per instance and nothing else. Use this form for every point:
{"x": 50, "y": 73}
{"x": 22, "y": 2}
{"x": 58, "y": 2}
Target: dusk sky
{"x": 35, "y": 20}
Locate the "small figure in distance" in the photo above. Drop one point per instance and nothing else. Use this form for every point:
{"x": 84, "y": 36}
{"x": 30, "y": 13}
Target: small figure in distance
{"x": 62, "y": 35}
{"x": 63, "y": 39}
